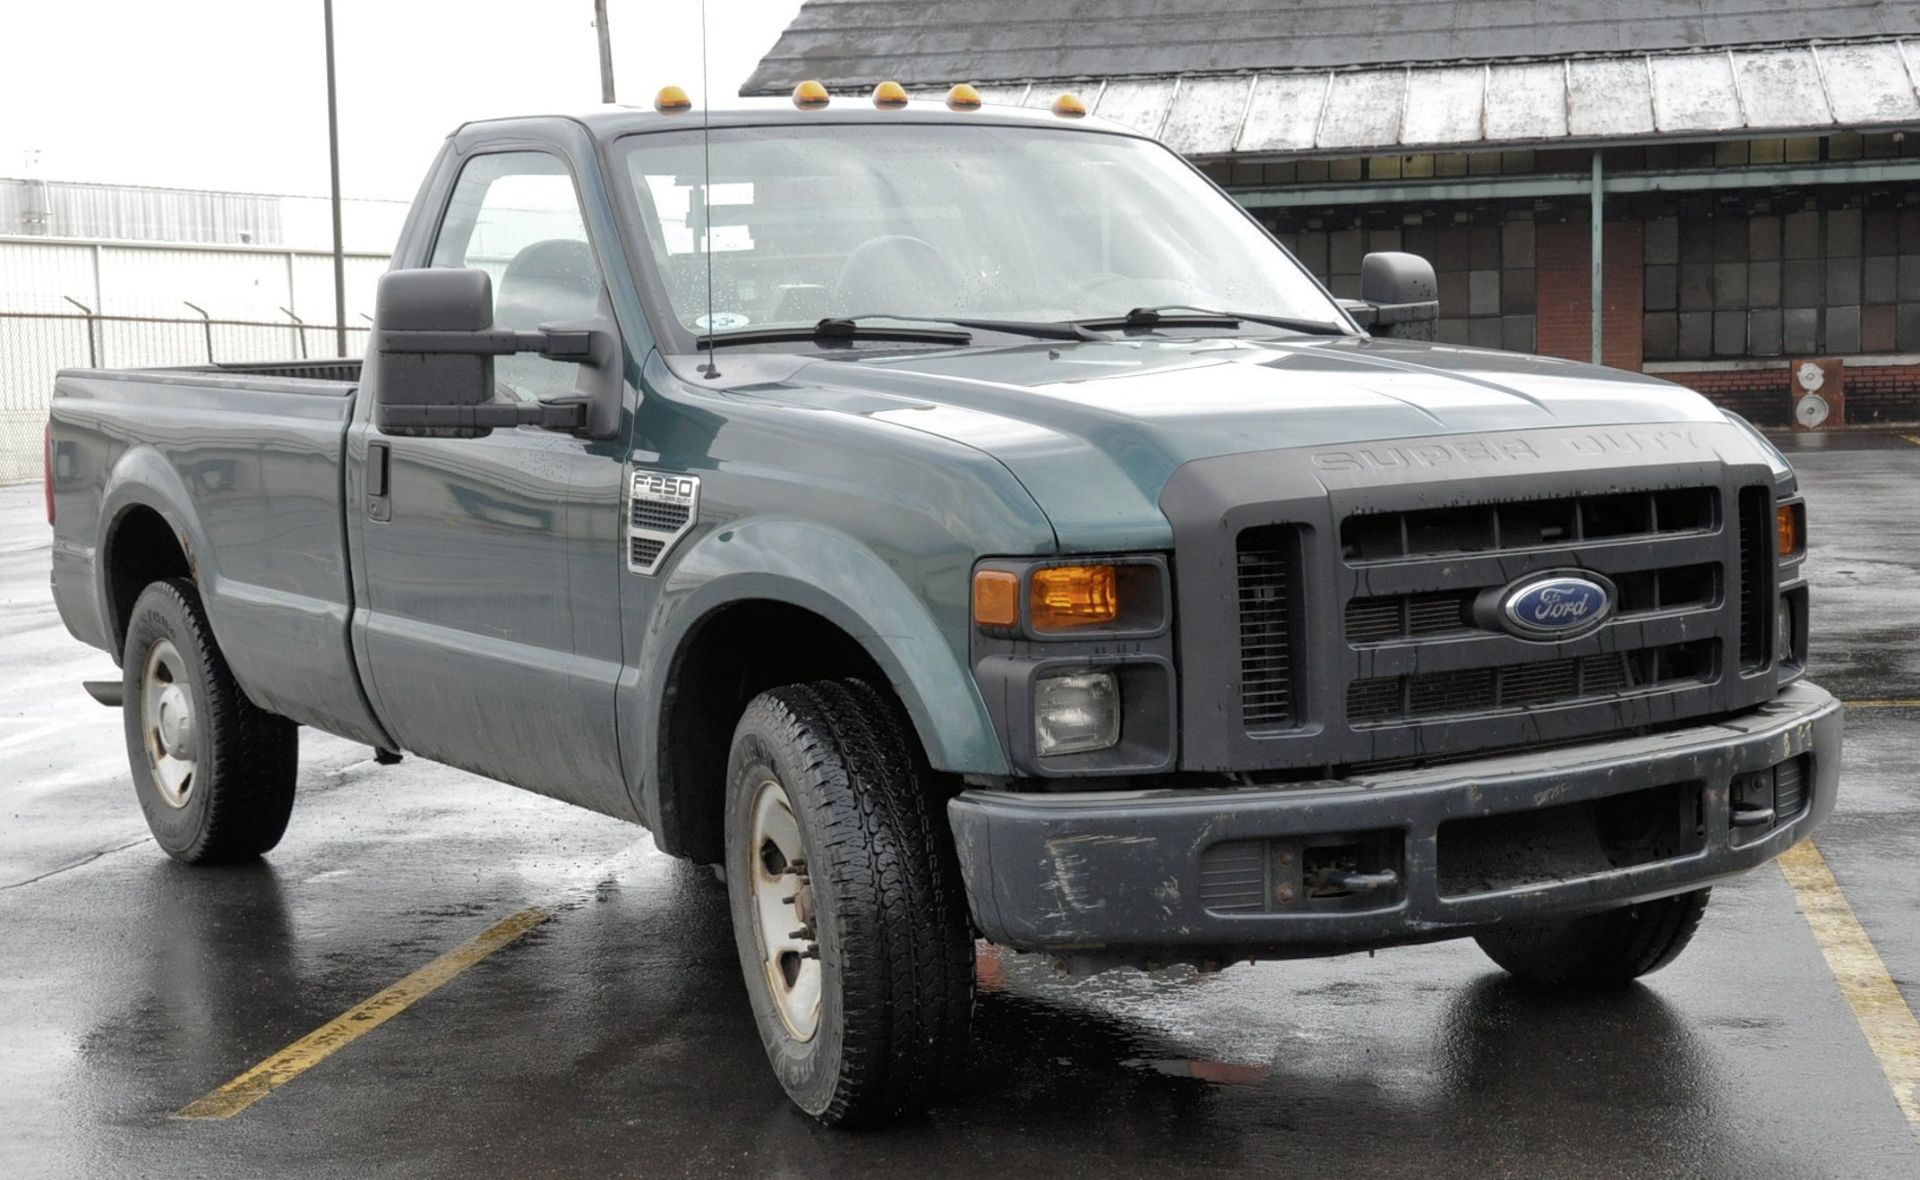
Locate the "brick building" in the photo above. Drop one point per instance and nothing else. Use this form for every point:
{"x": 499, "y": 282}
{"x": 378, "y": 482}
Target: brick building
{"x": 1749, "y": 169}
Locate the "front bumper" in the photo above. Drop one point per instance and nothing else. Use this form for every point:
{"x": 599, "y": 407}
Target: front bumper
{"x": 1323, "y": 867}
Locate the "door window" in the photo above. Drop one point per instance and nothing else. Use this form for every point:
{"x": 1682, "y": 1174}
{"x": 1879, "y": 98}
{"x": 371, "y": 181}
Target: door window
{"x": 516, "y": 216}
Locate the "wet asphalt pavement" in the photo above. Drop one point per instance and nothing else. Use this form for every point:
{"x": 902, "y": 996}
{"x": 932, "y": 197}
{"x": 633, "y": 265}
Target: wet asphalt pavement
{"x": 615, "y": 1038}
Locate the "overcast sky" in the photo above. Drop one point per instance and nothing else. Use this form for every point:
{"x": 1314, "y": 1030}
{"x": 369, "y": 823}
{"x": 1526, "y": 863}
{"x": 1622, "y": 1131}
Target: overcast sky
{"x": 231, "y": 94}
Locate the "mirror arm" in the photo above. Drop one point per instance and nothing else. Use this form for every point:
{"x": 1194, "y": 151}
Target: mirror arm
{"x": 555, "y": 344}
{"x": 559, "y": 414}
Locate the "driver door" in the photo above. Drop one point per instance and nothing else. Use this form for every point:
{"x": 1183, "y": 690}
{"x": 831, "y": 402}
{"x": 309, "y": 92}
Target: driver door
{"x": 492, "y": 625}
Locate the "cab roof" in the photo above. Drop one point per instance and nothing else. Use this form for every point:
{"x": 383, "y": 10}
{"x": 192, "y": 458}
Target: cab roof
{"x": 616, "y": 119}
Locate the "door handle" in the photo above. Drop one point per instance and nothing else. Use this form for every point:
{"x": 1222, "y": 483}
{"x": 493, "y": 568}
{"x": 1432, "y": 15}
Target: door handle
{"x": 378, "y": 458}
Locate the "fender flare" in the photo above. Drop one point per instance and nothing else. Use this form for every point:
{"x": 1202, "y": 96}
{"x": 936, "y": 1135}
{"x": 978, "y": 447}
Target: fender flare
{"x": 832, "y": 575}
{"x": 143, "y": 478}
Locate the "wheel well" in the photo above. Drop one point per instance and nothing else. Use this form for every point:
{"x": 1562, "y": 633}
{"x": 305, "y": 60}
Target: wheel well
{"x": 733, "y": 655}
{"x": 141, "y": 550}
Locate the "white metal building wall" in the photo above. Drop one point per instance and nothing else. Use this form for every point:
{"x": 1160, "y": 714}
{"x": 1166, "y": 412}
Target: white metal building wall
{"x": 238, "y": 283}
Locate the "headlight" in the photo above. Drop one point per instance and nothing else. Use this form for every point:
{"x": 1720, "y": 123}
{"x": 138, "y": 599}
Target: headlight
{"x": 1076, "y": 713}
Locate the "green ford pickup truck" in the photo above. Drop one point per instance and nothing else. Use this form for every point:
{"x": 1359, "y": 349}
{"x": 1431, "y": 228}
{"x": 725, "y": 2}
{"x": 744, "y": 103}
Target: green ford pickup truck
{"x": 956, "y": 525}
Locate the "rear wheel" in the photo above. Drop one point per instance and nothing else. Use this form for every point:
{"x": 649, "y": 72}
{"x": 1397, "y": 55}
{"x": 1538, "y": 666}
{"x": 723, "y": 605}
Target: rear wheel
{"x": 1602, "y": 950}
{"x": 213, "y": 772}
{"x": 847, "y": 908}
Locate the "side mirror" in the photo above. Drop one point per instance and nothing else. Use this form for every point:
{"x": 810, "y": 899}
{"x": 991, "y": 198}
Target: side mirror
{"x": 432, "y": 358}
{"x": 1399, "y": 296}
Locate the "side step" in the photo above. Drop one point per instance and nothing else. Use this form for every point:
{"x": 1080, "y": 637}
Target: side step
{"x": 107, "y": 692}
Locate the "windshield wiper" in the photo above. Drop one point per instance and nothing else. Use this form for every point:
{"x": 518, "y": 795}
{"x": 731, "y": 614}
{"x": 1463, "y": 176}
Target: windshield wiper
{"x": 1039, "y": 329}
{"x": 830, "y": 330}
{"x": 1188, "y": 316}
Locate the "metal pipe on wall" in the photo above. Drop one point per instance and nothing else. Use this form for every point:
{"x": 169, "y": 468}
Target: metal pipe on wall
{"x": 1598, "y": 200}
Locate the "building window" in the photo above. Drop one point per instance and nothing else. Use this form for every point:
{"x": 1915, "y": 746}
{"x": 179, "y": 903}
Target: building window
{"x": 1485, "y": 268}
{"x": 1753, "y": 281}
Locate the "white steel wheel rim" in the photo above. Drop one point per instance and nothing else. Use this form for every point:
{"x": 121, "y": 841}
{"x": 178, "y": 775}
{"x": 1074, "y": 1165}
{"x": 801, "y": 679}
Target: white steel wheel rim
{"x": 167, "y": 723}
{"x": 783, "y": 912}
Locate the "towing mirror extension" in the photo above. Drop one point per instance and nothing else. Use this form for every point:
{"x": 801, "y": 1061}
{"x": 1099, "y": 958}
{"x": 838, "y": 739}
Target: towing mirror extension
{"x": 1399, "y": 296}
{"x": 433, "y": 348}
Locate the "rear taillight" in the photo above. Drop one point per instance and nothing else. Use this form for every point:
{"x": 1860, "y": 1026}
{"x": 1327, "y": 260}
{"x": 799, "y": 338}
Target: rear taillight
{"x": 47, "y": 459}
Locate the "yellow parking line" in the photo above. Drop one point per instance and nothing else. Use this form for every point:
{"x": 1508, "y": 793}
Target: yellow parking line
{"x": 1912, "y": 438}
{"x": 356, "y": 1022}
{"x": 1883, "y": 1013}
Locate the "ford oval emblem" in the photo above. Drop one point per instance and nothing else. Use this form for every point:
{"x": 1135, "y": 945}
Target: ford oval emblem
{"x": 1555, "y": 606}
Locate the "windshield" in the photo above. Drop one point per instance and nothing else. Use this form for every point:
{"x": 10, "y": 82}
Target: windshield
{"x": 1012, "y": 223}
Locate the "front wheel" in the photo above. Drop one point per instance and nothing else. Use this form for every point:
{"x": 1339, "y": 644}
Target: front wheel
{"x": 1603, "y": 950}
{"x": 214, "y": 773}
{"x": 848, "y": 911}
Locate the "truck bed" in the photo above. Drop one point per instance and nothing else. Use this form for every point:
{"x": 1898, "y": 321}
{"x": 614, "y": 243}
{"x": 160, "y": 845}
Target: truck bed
{"x": 245, "y": 465}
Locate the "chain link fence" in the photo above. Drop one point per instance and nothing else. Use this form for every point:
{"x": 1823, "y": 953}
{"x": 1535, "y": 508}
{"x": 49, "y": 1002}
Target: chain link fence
{"x": 36, "y": 345}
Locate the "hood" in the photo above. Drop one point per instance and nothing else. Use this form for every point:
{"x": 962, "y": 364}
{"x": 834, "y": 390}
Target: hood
{"x": 1094, "y": 429}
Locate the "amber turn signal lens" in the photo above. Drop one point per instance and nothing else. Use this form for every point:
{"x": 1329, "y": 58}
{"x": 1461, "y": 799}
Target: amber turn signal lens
{"x": 672, "y": 101}
{"x": 1069, "y": 106}
{"x": 996, "y": 598}
{"x": 889, "y": 96}
{"x": 810, "y": 95}
{"x": 1067, "y": 596}
{"x": 1786, "y": 528}
{"x": 963, "y": 98}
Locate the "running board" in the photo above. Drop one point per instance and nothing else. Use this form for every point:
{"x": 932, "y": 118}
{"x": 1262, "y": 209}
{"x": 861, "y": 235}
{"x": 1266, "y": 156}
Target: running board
{"x": 108, "y": 692}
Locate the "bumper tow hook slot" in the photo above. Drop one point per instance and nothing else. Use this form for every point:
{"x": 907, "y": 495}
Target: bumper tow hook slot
{"x": 1752, "y": 817}
{"x": 1358, "y": 882}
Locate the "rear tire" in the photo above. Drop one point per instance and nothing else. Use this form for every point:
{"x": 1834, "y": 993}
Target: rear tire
{"x": 848, "y": 911}
{"x": 1605, "y": 950}
{"x": 214, "y": 773}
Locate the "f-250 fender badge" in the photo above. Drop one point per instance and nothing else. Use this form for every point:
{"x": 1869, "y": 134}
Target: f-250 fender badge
{"x": 661, "y": 509}
{"x": 1550, "y": 607}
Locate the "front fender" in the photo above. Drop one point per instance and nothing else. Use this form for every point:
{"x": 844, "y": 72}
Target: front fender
{"x": 833, "y": 575}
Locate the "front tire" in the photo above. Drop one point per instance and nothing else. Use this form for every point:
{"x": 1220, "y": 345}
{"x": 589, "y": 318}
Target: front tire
{"x": 848, "y": 911}
{"x": 214, "y": 773}
{"x": 1605, "y": 950}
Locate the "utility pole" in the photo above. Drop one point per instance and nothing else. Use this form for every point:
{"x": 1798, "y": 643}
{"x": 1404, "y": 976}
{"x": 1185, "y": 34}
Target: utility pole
{"x": 606, "y": 50}
{"x": 333, "y": 162}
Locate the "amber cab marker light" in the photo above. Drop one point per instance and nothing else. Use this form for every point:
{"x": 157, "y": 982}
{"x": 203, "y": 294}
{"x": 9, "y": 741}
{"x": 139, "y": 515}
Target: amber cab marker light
{"x": 810, "y": 95}
{"x": 996, "y": 598}
{"x": 963, "y": 98}
{"x": 1069, "y": 596}
{"x": 1069, "y": 106}
{"x": 1786, "y": 527}
{"x": 889, "y": 96}
{"x": 672, "y": 101}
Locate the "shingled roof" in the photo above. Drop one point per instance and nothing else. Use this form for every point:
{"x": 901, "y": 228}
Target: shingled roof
{"x": 1242, "y": 77}
{"x": 855, "y": 43}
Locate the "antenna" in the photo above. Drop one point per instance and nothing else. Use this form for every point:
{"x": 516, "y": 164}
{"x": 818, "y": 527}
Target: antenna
{"x": 706, "y": 192}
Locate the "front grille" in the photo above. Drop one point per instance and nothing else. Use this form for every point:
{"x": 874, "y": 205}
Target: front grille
{"x": 1427, "y": 695}
{"x": 1526, "y": 524}
{"x": 1267, "y": 560}
{"x": 1394, "y": 617}
{"x": 1756, "y": 620}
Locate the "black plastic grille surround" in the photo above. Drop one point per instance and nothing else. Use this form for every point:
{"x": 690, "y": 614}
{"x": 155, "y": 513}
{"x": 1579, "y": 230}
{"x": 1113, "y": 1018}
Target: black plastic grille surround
{"x": 1418, "y": 548}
